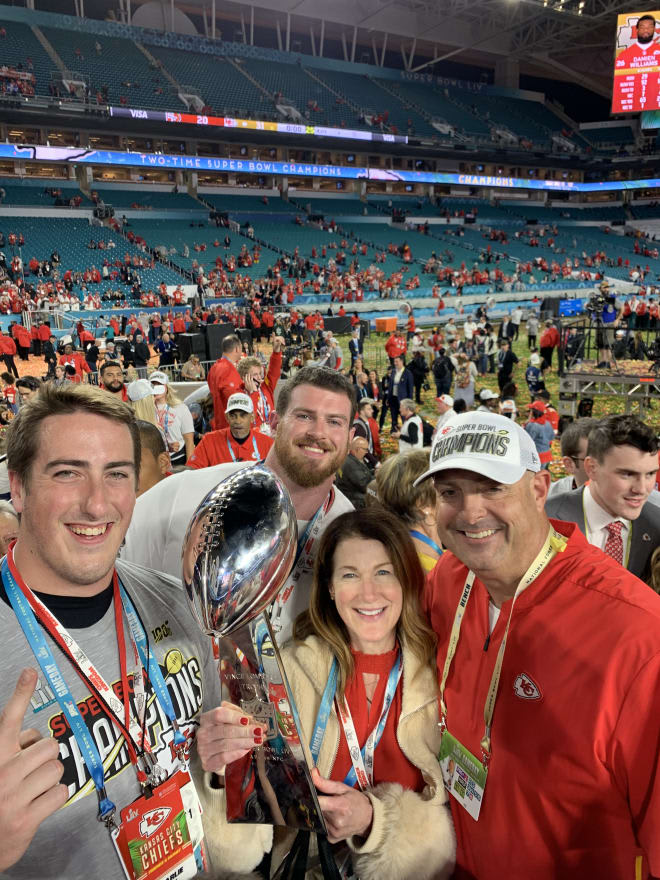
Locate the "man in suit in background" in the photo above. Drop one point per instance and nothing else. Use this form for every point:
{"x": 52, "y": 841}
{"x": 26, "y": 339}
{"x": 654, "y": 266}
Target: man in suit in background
{"x": 612, "y": 510}
{"x": 401, "y": 387}
{"x": 355, "y": 346}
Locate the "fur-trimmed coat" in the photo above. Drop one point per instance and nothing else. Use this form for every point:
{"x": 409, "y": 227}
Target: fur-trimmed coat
{"x": 411, "y": 834}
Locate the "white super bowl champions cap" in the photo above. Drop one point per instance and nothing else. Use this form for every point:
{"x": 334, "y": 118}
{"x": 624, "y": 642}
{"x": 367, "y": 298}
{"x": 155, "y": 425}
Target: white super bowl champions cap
{"x": 484, "y": 443}
{"x": 239, "y": 401}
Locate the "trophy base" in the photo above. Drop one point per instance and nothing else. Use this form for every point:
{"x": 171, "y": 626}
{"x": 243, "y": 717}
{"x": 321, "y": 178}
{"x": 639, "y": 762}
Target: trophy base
{"x": 272, "y": 784}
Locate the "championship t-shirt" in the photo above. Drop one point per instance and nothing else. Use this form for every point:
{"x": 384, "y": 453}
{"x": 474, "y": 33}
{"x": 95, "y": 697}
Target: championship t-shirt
{"x": 71, "y": 843}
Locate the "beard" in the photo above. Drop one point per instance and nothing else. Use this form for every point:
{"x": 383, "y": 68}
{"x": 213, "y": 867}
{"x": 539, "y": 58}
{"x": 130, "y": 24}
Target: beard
{"x": 303, "y": 472}
{"x": 113, "y": 387}
{"x": 644, "y": 40}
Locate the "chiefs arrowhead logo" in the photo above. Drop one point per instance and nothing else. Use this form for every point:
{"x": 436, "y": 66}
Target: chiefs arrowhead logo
{"x": 525, "y": 688}
{"x": 151, "y": 821}
{"x": 446, "y": 430}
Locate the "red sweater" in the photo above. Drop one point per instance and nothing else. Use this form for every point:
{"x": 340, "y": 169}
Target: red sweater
{"x": 390, "y": 764}
{"x": 214, "y": 448}
{"x": 573, "y": 784}
{"x": 223, "y": 381}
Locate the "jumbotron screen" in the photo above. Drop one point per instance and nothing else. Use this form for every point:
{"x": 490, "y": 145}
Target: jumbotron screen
{"x": 637, "y": 63}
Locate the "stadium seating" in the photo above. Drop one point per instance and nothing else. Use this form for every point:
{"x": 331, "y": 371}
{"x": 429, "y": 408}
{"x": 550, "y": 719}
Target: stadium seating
{"x": 131, "y": 79}
{"x": 222, "y": 86}
{"x": 316, "y": 103}
{"x": 372, "y": 99}
{"x": 332, "y": 208}
{"x": 18, "y": 45}
{"x": 444, "y": 107}
{"x": 26, "y": 193}
{"x": 609, "y": 138}
{"x": 143, "y": 198}
{"x": 71, "y": 237}
{"x": 247, "y": 205}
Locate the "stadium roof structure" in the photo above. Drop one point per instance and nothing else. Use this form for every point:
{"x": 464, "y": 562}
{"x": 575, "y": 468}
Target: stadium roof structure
{"x": 571, "y": 40}
{"x": 564, "y": 39}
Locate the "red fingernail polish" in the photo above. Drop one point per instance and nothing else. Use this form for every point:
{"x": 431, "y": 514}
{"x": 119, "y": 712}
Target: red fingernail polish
{"x": 257, "y": 731}
{"x": 258, "y": 740}
{"x": 245, "y": 721}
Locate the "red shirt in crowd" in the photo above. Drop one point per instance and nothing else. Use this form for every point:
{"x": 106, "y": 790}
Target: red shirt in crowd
{"x": 396, "y": 346}
{"x": 217, "y": 447}
{"x": 223, "y": 380}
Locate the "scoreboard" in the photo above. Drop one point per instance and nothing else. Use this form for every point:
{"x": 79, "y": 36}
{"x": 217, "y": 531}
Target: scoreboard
{"x": 637, "y": 63}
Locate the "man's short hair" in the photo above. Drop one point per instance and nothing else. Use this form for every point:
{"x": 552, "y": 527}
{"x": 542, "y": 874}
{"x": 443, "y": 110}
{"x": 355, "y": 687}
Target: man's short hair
{"x": 573, "y": 434}
{"x": 231, "y": 343}
{"x": 151, "y": 438}
{"x": 319, "y": 377}
{"x": 408, "y": 404}
{"x": 645, "y": 18}
{"x": 108, "y": 364}
{"x": 365, "y": 401}
{"x": 620, "y": 430}
{"x": 23, "y": 435}
{"x": 246, "y": 364}
{"x": 30, "y": 382}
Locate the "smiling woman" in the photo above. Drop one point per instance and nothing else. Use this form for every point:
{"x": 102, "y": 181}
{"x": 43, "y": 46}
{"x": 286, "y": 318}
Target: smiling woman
{"x": 363, "y": 676}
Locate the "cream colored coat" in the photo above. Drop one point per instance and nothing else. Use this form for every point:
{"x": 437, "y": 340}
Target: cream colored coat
{"x": 411, "y": 834}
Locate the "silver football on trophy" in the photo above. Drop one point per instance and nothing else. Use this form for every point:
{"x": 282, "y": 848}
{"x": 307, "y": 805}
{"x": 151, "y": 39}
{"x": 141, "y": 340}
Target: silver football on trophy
{"x": 238, "y": 550}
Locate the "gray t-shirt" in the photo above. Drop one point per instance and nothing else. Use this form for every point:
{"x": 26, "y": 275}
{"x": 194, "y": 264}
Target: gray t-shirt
{"x": 71, "y": 844}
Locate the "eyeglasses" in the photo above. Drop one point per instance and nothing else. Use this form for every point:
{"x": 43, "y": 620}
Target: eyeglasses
{"x": 575, "y": 459}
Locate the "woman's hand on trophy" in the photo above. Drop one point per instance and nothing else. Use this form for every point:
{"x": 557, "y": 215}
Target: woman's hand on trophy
{"x": 225, "y": 735}
{"x": 347, "y": 811}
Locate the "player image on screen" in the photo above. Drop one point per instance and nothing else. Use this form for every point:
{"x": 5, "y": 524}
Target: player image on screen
{"x": 637, "y": 67}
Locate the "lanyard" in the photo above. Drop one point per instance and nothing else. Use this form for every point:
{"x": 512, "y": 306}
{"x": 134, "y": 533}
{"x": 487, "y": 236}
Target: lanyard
{"x": 362, "y": 759}
{"x": 254, "y": 444}
{"x": 44, "y": 655}
{"x": 265, "y": 409}
{"x": 426, "y": 540}
{"x": 164, "y": 417}
{"x": 304, "y": 559}
{"x": 30, "y": 611}
{"x": 626, "y": 556}
{"x": 554, "y": 543}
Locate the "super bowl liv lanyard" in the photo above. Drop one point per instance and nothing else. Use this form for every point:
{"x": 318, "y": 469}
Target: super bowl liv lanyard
{"x": 28, "y": 608}
{"x": 362, "y": 759}
{"x": 305, "y": 545}
{"x": 265, "y": 409}
{"x": 254, "y": 445}
{"x": 554, "y": 543}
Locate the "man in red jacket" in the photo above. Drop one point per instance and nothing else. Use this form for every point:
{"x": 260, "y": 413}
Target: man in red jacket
{"x": 549, "y": 670}
{"x": 23, "y": 341}
{"x": 223, "y": 379}
{"x": 238, "y": 442}
{"x": 7, "y": 352}
{"x": 396, "y": 346}
{"x": 548, "y": 342}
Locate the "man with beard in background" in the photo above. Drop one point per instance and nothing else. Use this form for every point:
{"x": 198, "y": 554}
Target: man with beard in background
{"x": 112, "y": 379}
{"x": 312, "y": 425}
